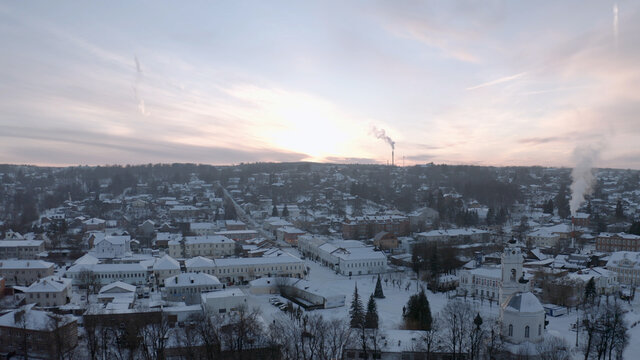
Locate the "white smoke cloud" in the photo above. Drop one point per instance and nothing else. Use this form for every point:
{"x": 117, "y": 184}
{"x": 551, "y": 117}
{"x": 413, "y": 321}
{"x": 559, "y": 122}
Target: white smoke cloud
{"x": 585, "y": 157}
{"x": 381, "y": 134}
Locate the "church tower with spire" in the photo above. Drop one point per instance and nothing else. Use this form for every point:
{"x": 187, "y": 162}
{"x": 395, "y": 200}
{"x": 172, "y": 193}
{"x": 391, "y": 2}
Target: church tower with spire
{"x": 521, "y": 314}
{"x": 512, "y": 275}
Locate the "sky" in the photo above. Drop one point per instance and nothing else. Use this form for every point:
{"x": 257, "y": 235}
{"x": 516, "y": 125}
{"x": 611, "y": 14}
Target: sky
{"x": 457, "y": 82}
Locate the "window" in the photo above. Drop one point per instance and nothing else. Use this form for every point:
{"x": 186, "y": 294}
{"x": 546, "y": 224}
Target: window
{"x": 539, "y": 329}
{"x": 526, "y": 331}
{"x": 510, "y": 330}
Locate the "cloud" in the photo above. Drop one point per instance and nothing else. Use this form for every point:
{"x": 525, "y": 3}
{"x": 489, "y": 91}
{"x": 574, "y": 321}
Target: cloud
{"x": 420, "y": 157}
{"x": 448, "y": 28}
{"x": 542, "y": 140}
{"x": 498, "y": 81}
{"x": 62, "y": 148}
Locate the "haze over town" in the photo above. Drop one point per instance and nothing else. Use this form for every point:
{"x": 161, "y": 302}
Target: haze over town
{"x": 320, "y": 180}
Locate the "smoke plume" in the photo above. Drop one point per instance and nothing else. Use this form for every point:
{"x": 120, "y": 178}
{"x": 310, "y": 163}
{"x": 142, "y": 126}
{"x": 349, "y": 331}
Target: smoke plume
{"x": 585, "y": 156}
{"x": 381, "y": 134}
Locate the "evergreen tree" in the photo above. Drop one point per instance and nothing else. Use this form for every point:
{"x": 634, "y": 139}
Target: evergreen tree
{"x": 477, "y": 321}
{"x": 548, "y": 207}
{"x": 274, "y": 211}
{"x": 285, "y": 211}
{"x": 230, "y": 211}
{"x": 502, "y": 216}
{"x": 635, "y": 228}
{"x": 619, "y": 210}
{"x": 418, "y": 314}
{"x": 371, "y": 317}
{"x": 562, "y": 203}
{"x": 378, "y": 294}
{"x": 600, "y": 223}
{"x": 490, "y": 219}
{"x": 589, "y": 209}
{"x": 356, "y": 312}
{"x": 590, "y": 291}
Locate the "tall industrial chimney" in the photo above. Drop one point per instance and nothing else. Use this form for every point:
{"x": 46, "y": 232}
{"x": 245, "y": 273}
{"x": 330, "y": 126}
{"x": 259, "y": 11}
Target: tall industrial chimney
{"x": 573, "y": 232}
{"x": 392, "y": 151}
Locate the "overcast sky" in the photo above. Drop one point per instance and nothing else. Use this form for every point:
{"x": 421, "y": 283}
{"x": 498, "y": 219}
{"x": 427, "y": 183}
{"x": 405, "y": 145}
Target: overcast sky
{"x": 478, "y": 82}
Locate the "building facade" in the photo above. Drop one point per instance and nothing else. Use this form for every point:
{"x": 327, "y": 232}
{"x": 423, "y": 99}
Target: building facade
{"x": 24, "y": 272}
{"x": 21, "y": 249}
{"x": 103, "y": 274}
{"x": 49, "y": 291}
{"x": 212, "y": 246}
{"x": 626, "y": 264}
{"x": 241, "y": 270}
{"x": 482, "y": 283}
{"x": 609, "y": 242}
{"x": 189, "y": 286}
{"x": 365, "y": 227}
{"x": 36, "y": 333}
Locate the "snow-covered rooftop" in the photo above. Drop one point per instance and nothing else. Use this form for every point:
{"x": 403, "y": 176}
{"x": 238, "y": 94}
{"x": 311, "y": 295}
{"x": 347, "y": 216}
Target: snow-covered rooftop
{"x": 222, "y": 294}
{"x": 16, "y": 243}
{"x": 49, "y": 284}
{"x": 524, "y": 302}
{"x": 25, "y": 264}
{"x": 198, "y": 262}
{"x": 166, "y": 263}
{"x": 27, "y": 317}
{"x": 117, "y": 286}
{"x": 204, "y": 239}
{"x": 191, "y": 279}
{"x": 87, "y": 259}
{"x": 283, "y": 258}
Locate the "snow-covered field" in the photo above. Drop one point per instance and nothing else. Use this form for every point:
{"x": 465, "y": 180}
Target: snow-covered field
{"x": 389, "y": 308}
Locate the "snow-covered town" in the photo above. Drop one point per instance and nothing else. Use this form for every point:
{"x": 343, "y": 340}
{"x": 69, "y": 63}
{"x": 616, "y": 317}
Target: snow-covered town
{"x": 318, "y": 261}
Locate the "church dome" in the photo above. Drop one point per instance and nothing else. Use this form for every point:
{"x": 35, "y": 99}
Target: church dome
{"x": 523, "y": 302}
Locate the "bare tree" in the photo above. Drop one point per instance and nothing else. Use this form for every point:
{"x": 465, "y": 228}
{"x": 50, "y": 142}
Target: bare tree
{"x": 92, "y": 337}
{"x": 457, "y": 320}
{"x": 605, "y": 332}
{"x": 89, "y": 281}
{"x": 154, "y": 339}
{"x": 310, "y": 337}
{"x": 493, "y": 344}
{"x": 188, "y": 340}
{"x": 339, "y": 335}
{"x": 431, "y": 338}
{"x": 242, "y": 331}
{"x": 61, "y": 347}
{"x": 208, "y": 328}
{"x": 20, "y": 319}
{"x": 554, "y": 349}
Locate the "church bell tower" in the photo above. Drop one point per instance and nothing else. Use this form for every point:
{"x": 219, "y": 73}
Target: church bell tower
{"x": 512, "y": 275}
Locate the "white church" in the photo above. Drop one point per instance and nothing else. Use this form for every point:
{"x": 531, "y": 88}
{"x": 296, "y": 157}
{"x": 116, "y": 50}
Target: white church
{"x": 522, "y": 316}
